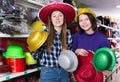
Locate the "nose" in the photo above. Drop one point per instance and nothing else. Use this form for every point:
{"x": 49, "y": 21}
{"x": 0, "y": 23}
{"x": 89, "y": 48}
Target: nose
{"x": 57, "y": 18}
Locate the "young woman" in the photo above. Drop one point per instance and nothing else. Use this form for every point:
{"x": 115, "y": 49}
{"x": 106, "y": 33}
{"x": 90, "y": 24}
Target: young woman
{"x": 88, "y": 39}
{"x": 56, "y": 16}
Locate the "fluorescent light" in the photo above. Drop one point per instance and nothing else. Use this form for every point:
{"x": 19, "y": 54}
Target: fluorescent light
{"x": 118, "y": 6}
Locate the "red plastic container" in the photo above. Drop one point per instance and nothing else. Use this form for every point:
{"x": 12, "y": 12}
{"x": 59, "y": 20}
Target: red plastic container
{"x": 16, "y": 64}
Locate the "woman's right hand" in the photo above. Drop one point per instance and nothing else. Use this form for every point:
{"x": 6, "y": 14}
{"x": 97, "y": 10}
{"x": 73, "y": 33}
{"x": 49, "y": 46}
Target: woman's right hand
{"x": 81, "y": 52}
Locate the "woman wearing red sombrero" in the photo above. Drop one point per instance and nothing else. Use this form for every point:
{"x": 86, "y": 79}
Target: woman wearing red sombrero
{"x": 56, "y": 16}
{"x": 86, "y": 41}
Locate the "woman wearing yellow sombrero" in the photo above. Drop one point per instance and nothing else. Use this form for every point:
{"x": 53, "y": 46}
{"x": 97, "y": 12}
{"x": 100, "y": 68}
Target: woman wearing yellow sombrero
{"x": 87, "y": 39}
{"x": 56, "y": 16}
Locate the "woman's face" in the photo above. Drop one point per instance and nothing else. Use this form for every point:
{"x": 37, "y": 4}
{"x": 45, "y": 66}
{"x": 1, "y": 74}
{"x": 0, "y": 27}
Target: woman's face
{"x": 57, "y": 18}
{"x": 85, "y": 23}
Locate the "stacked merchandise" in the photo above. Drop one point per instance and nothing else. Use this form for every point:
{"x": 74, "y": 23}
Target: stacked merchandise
{"x": 4, "y": 69}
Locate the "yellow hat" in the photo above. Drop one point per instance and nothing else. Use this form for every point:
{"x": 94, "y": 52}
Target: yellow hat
{"x": 84, "y": 10}
{"x": 37, "y": 26}
{"x": 36, "y": 40}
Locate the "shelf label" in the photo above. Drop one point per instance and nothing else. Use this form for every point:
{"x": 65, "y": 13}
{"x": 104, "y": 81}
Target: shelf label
{"x": 38, "y": 69}
{"x": 25, "y": 73}
{"x": 11, "y": 35}
{"x": 8, "y": 78}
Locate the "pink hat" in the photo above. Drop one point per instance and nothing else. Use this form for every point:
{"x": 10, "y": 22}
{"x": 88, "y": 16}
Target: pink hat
{"x": 65, "y": 8}
{"x": 86, "y": 71}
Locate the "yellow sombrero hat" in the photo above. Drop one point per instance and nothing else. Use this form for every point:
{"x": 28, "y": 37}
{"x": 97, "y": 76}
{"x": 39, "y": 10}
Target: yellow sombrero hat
{"x": 36, "y": 40}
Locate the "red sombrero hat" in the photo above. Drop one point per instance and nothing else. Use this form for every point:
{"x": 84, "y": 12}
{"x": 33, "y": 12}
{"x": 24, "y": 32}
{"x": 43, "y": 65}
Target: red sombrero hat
{"x": 65, "y": 8}
{"x": 86, "y": 71}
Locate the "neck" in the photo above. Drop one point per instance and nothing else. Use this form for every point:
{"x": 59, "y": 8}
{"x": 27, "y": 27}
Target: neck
{"x": 58, "y": 29}
{"x": 90, "y": 32}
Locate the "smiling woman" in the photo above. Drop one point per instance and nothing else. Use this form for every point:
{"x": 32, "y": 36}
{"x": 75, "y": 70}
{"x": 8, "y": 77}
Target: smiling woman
{"x": 56, "y": 17}
{"x": 87, "y": 35}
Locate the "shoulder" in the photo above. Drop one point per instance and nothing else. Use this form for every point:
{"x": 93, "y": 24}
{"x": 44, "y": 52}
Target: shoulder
{"x": 76, "y": 34}
{"x": 100, "y": 34}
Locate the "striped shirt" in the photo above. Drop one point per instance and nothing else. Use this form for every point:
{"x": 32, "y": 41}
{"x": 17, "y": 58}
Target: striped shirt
{"x": 51, "y": 60}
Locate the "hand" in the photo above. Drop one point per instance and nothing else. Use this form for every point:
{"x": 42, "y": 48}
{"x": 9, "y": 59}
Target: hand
{"x": 81, "y": 52}
{"x": 106, "y": 72}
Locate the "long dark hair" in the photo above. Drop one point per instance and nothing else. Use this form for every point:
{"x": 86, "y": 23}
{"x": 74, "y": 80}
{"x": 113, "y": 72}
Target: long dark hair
{"x": 51, "y": 36}
{"x": 92, "y": 20}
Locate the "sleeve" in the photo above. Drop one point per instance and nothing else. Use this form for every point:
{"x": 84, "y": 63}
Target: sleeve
{"x": 38, "y": 53}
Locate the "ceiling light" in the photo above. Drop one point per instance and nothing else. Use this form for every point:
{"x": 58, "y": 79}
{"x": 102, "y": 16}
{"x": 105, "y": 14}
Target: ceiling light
{"x": 118, "y": 6}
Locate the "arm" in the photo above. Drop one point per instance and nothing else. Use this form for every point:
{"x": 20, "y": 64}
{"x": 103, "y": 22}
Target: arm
{"x": 37, "y": 54}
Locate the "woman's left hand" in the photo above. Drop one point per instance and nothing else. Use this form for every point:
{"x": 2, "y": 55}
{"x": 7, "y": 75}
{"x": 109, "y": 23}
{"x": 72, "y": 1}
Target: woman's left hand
{"x": 106, "y": 72}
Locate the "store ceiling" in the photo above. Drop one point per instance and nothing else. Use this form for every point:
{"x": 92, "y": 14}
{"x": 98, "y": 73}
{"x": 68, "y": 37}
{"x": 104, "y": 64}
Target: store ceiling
{"x": 100, "y": 7}
{"x": 103, "y": 7}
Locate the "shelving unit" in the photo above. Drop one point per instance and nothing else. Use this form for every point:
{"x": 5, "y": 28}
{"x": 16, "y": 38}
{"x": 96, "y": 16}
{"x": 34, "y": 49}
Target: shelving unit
{"x": 114, "y": 76}
{"x": 34, "y": 4}
{"x": 38, "y": 2}
{"x": 13, "y": 36}
{"x": 17, "y": 74}
{"x": 114, "y": 38}
{"x": 118, "y": 30}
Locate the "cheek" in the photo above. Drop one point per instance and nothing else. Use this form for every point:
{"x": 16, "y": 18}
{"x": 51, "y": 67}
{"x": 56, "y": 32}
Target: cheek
{"x": 62, "y": 19}
{"x": 80, "y": 23}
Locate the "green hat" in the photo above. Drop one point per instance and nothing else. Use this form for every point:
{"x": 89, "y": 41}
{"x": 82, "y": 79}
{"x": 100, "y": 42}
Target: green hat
{"x": 14, "y": 51}
{"x": 104, "y": 59}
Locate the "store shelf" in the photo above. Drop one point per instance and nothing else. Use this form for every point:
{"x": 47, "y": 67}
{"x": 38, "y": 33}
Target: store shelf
{"x": 114, "y": 38}
{"x": 17, "y": 74}
{"x": 38, "y": 2}
{"x": 12, "y": 36}
{"x": 118, "y": 30}
{"x": 29, "y": 4}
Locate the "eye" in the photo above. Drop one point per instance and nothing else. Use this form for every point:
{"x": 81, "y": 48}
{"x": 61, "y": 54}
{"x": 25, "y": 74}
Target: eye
{"x": 87, "y": 19}
{"x": 80, "y": 20}
{"x": 60, "y": 15}
{"x": 54, "y": 16}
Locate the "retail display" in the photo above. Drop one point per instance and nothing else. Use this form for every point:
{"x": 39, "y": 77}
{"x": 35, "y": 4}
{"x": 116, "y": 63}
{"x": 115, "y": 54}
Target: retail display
{"x": 15, "y": 28}
{"x": 29, "y": 59}
{"x": 16, "y": 20}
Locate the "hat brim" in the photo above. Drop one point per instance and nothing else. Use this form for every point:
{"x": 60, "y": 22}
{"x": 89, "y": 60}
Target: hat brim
{"x": 65, "y": 8}
{"x": 104, "y": 51}
{"x": 63, "y": 60}
{"x": 40, "y": 43}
